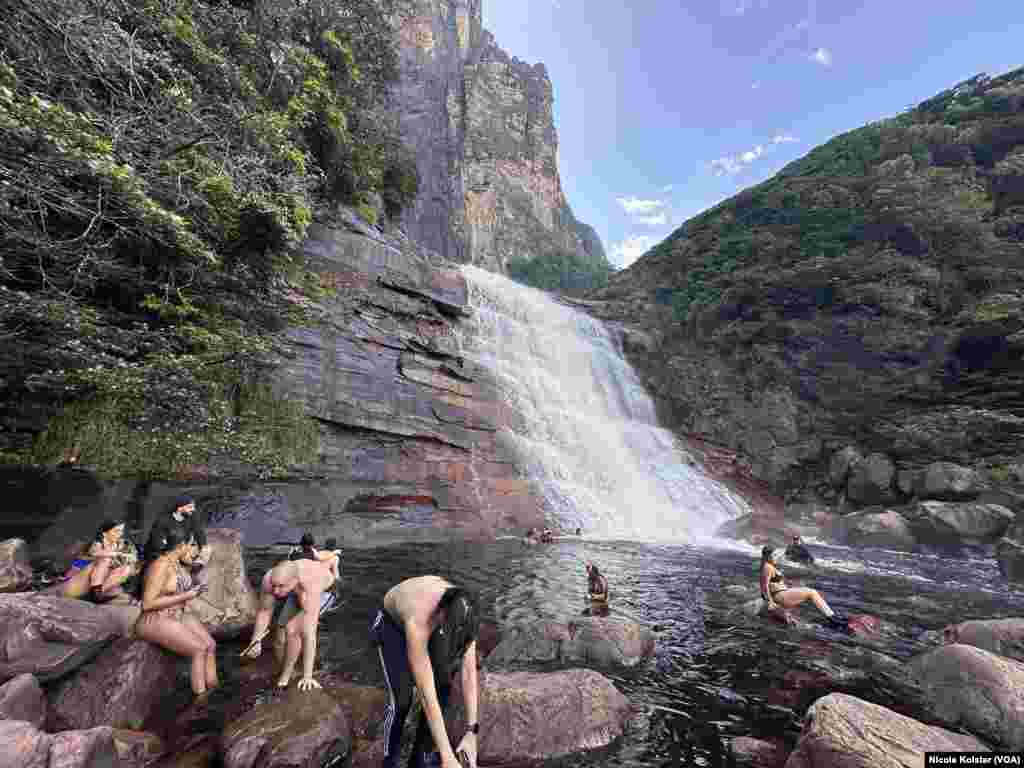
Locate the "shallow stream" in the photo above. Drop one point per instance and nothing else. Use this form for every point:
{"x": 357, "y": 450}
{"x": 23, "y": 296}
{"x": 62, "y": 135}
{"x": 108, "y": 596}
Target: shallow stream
{"x": 716, "y": 673}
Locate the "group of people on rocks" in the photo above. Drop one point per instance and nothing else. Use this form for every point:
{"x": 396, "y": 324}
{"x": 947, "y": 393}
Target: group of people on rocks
{"x": 424, "y": 631}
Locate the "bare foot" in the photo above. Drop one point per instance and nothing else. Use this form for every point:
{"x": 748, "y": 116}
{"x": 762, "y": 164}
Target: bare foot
{"x": 282, "y": 682}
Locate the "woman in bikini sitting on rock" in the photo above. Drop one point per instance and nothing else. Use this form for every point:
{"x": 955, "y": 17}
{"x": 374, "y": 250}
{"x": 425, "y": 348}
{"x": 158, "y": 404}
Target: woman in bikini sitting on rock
{"x": 167, "y": 588}
{"x": 112, "y": 560}
{"x": 777, "y": 595}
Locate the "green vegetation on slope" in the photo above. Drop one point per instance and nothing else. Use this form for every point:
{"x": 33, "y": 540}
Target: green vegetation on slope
{"x": 827, "y": 202}
{"x": 160, "y": 162}
{"x": 561, "y": 271}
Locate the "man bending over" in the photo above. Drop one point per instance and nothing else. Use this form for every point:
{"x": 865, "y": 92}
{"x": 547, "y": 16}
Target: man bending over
{"x": 304, "y": 586}
{"x": 426, "y": 628}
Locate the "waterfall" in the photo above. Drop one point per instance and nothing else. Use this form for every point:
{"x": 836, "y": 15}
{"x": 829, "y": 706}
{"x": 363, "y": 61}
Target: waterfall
{"x": 587, "y": 437}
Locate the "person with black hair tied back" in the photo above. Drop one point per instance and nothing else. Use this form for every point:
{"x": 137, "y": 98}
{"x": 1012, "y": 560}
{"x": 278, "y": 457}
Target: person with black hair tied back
{"x": 776, "y": 594}
{"x": 167, "y": 587}
{"x": 425, "y": 630}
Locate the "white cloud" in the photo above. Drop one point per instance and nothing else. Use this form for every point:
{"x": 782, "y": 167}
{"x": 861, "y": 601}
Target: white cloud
{"x": 632, "y": 248}
{"x": 822, "y": 56}
{"x": 656, "y": 220}
{"x": 733, "y": 164}
{"x": 635, "y": 206}
{"x": 756, "y": 84}
{"x": 784, "y": 138}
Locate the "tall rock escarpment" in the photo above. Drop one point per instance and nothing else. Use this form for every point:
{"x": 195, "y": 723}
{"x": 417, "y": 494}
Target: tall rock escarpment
{"x": 853, "y": 328}
{"x": 482, "y": 127}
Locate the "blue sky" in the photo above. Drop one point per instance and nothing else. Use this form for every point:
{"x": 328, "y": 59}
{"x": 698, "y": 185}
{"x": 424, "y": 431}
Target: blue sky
{"x": 664, "y": 108}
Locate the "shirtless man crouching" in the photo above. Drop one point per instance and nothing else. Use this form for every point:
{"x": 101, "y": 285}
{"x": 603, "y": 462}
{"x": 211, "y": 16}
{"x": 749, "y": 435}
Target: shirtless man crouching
{"x": 426, "y": 628}
{"x": 306, "y": 586}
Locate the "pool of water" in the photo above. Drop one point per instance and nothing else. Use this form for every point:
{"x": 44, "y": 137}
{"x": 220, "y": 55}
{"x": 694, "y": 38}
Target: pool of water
{"x": 715, "y": 675}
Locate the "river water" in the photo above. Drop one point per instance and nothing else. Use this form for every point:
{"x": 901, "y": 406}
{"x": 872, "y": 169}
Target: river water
{"x": 715, "y": 674}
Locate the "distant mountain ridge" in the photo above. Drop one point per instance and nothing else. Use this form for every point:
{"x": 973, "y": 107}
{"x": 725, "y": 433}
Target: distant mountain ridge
{"x": 869, "y": 294}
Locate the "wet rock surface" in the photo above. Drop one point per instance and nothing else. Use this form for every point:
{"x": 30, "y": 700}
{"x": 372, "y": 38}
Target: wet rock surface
{"x": 21, "y": 698}
{"x": 977, "y": 689}
{"x": 593, "y": 641}
{"x": 50, "y": 637}
{"x": 844, "y": 732}
{"x": 228, "y": 607}
{"x": 299, "y": 728}
{"x": 536, "y": 716}
{"x": 127, "y": 683}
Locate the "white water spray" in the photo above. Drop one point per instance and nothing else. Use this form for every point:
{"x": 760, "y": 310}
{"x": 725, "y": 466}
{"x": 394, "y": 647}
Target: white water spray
{"x": 588, "y": 439}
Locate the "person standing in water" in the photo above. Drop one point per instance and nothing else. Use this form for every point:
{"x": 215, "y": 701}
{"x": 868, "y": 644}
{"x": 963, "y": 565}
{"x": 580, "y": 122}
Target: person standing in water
{"x": 597, "y": 585}
{"x": 776, "y": 594}
{"x": 426, "y": 628}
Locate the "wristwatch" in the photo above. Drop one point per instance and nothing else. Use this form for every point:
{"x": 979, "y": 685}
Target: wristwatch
{"x": 473, "y": 728}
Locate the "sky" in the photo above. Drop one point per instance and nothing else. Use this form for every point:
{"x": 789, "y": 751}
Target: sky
{"x": 666, "y": 107}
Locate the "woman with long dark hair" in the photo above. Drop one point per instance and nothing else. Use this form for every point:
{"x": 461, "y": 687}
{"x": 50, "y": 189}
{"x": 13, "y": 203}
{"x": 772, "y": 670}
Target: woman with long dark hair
{"x": 112, "y": 560}
{"x": 776, "y": 594}
{"x": 166, "y": 589}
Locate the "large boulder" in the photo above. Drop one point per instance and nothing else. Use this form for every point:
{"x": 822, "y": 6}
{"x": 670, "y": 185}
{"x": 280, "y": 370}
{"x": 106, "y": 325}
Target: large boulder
{"x": 977, "y": 689}
{"x": 228, "y": 607}
{"x": 1001, "y": 636}
{"x": 872, "y": 528}
{"x": 596, "y": 641}
{"x": 50, "y": 636}
{"x": 137, "y": 749}
{"x": 871, "y": 480}
{"x": 295, "y": 730}
{"x": 22, "y": 745}
{"x": 364, "y": 708}
{"x": 22, "y": 698}
{"x": 964, "y": 522}
{"x": 125, "y": 685}
{"x": 841, "y": 464}
{"x": 537, "y": 716}
{"x": 15, "y": 571}
{"x": 755, "y": 753}
{"x": 842, "y": 731}
{"x": 947, "y": 481}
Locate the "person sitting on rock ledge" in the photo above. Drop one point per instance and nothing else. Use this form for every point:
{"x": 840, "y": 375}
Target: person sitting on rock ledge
{"x": 167, "y": 589}
{"x": 112, "y": 560}
{"x": 797, "y": 552}
{"x": 776, "y": 594}
{"x": 426, "y": 628}
{"x": 305, "y": 589}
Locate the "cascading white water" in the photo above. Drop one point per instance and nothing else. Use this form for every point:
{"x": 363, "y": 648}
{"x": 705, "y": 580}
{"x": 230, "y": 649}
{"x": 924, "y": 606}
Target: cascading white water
{"x": 588, "y": 439}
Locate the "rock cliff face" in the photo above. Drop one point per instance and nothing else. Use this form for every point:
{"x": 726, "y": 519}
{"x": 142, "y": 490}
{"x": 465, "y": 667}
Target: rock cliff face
{"x": 409, "y": 443}
{"x": 481, "y": 125}
{"x": 869, "y": 297}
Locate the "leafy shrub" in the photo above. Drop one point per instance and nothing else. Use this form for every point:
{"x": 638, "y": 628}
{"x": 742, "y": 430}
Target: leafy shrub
{"x": 161, "y": 162}
{"x": 561, "y": 270}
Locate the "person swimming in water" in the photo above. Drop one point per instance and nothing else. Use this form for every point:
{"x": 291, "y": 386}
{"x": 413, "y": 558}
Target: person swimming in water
{"x": 797, "y": 552}
{"x": 777, "y": 595}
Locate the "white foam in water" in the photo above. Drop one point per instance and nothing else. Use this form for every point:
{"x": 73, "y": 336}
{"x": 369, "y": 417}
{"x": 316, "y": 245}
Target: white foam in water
{"x": 588, "y": 440}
